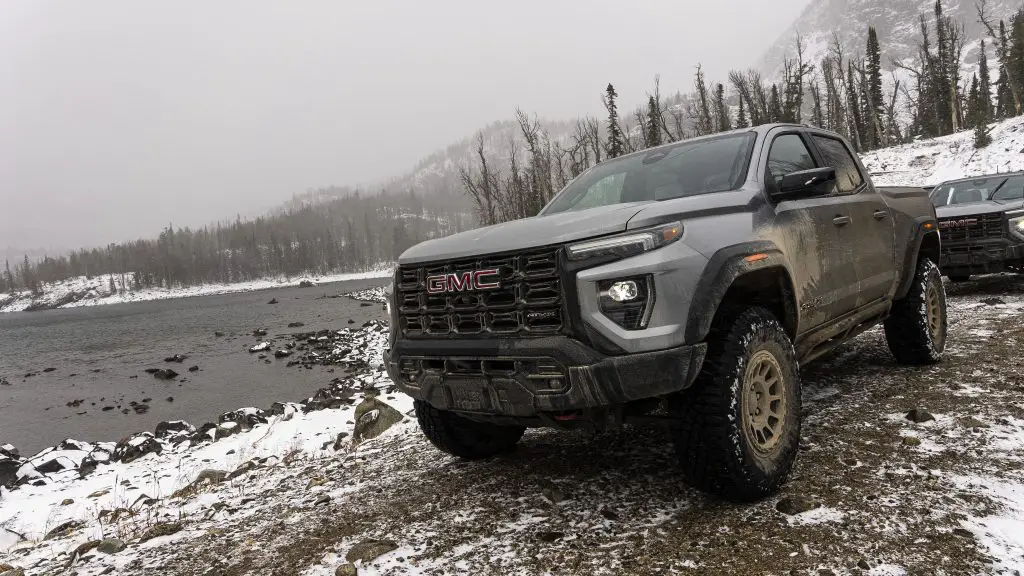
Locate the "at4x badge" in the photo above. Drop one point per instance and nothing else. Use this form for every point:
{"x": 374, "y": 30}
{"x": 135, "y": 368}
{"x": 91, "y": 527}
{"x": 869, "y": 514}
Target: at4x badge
{"x": 464, "y": 281}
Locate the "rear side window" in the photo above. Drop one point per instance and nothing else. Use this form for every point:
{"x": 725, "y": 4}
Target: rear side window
{"x": 835, "y": 154}
{"x": 788, "y": 155}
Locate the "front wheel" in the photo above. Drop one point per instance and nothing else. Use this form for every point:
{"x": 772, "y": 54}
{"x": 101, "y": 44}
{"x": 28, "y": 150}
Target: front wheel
{"x": 916, "y": 327}
{"x": 738, "y": 427}
{"x": 467, "y": 439}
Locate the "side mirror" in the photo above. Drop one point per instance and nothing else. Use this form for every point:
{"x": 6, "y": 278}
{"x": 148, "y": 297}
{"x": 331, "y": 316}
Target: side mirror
{"x": 813, "y": 183}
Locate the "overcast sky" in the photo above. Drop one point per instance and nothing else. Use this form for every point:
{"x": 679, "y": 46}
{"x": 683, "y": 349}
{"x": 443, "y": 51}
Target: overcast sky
{"x": 119, "y": 117}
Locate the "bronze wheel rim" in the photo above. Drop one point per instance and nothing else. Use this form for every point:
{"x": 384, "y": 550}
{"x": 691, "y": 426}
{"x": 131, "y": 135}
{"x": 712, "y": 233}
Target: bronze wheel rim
{"x": 763, "y": 401}
{"x": 934, "y": 313}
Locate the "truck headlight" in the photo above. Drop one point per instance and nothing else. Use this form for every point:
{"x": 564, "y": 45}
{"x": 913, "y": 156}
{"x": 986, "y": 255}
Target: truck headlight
{"x": 1017, "y": 227}
{"x": 627, "y": 301}
{"x": 628, "y": 244}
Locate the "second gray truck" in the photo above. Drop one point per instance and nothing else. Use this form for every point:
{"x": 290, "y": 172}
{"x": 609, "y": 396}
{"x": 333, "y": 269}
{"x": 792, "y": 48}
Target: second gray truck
{"x": 685, "y": 284}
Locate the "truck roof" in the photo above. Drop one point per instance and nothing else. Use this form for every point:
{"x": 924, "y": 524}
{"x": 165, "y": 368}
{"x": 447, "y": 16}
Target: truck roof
{"x": 759, "y": 130}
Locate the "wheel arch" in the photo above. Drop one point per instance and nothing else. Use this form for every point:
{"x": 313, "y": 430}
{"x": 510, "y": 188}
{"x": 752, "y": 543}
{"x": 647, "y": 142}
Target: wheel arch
{"x": 926, "y": 244}
{"x": 755, "y": 274}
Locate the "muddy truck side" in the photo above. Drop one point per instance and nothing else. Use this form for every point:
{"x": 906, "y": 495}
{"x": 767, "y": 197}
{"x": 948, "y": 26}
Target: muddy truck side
{"x": 683, "y": 284}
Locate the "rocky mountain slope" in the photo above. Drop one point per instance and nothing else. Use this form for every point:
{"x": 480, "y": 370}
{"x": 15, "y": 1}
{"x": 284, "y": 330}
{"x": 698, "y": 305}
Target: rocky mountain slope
{"x": 897, "y": 22}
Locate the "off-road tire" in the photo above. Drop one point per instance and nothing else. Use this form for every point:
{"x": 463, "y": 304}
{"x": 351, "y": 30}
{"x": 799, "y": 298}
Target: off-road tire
{"x": 916, "y": 327}
{"x": 959, "y": 278}
{"x": 718, "y": 452}
{"x": 465, "y": 438}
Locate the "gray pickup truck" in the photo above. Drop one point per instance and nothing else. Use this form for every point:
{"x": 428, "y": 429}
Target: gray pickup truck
{"x": 684, "y": 284}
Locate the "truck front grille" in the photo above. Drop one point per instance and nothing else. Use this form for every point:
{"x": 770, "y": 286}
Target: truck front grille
{"x": 966, "y": 228}
{"x": 527, "y": 300}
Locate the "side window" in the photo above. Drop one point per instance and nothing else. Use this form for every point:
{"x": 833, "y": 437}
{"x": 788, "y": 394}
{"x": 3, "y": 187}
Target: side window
{"x": 1012, "y": 190}
{"x": 788, "y": 154}
{"x": 835, "y": 154}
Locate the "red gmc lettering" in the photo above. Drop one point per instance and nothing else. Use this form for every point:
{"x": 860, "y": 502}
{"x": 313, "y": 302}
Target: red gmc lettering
{"x": 460, "y": 282}
{"x": 480, "y": 284}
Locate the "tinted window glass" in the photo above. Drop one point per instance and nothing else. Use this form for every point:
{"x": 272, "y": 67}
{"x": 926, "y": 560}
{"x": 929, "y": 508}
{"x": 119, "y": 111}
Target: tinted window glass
{"x": 685, "y": 169}
{"x": 1013, "y": 189}
{"x": 835, "y": 154}
{"x": 788, "y": 155}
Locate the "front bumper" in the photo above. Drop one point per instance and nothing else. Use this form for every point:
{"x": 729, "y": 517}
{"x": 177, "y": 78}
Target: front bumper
{"x": 981, "y": 257}
{"x": 534, "y": 378}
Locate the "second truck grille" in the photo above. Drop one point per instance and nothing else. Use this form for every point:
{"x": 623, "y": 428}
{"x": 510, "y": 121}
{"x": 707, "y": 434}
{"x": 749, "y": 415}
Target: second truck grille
{"x": 966, "y": 228}
{"x": 526, "y": 302}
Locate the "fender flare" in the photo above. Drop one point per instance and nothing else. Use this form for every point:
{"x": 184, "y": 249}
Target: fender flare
{"x": 722, "y": 270}
{"x": 910, "y": 258}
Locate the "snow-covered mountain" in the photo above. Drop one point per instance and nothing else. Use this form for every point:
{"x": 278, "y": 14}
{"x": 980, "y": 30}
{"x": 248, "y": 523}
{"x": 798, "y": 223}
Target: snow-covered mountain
{"x": 897, "y": 22}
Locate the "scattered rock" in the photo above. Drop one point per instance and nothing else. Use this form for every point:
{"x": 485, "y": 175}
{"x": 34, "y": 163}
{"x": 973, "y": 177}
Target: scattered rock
{"x": 165, "y": 374}
{"x": 339, "y": 442}
{"x": 63, "y": 529}
{"x": 368, "y": 550}
{"x": 50, "y": 467}
{"x": 306, "y": 284}
{"x": 4, "y": 382}
{"x": 13, "y": 572}
{"x": 963, "y": 533}
{"x": 549, "y": 536}
{"x": 373, "y": 418}
{"x": 67, "y": 502}
{"x": 346, "y": 570}
{"x": 993, "y": 301}
{"x": 296, "y": 325}
{"x": 86, "y": 548}
{"x": 282, "y": 353}
{"x": 273, "y": 301}
{"x": 793, "y": 505}
{"x": 170, "y": 398}
{"x": 911, "y": 441}
{"x": 48, "y": 370}
{"x": 260, "y": 347}
{"x": 160, "y": 529}
{"x": 351, "y": 321}
{"x": 323, "y": 499}
{"x": 919, "y": 416}
{"x": 218, "y": 334}
{"x": 972, "y": 423}
{"x": 193, "y": 369}
{"x": 863, "y": 564}
{"x": 365, "y": 304}
{"x": 177, "y": 358}
{"x": 552, "y": 493}
{"x": 111, "y": 546}
{"x": 259, "y": 332}
{"x": 141, "y": 408}
{"x": 173, "y": 428}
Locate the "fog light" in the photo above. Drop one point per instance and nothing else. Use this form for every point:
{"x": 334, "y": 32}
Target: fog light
{"x": 624, "y": 291}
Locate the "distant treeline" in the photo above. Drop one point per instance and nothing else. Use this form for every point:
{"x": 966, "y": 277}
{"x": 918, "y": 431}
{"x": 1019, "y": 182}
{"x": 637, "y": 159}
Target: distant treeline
{"x": 339, "y": 232}
{"x": 842, "y": 91}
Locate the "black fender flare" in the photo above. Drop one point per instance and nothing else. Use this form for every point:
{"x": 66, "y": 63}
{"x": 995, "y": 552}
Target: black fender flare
{"x": 910, "y": 258}
{"x": 724, "y": 267}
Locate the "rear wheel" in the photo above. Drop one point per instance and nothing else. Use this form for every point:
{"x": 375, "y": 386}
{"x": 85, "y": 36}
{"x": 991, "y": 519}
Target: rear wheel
{"x": 916, "y": 327}
{"x": 465, "y": 438}
{"x": 739, "y": 425}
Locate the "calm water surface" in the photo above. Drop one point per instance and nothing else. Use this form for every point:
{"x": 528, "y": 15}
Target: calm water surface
{"x": 97, "y": 350}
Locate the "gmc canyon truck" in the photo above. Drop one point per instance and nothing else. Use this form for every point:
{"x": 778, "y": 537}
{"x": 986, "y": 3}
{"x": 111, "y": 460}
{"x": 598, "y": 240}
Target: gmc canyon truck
{"x": 981, "y": 223}
{"x": 684, "y": 284}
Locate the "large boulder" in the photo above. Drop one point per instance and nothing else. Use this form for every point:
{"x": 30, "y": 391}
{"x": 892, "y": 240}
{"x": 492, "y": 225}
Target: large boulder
{"x": 136, "y": 446}
{"x": 173, "y": 428}
{"x": 373, "y": 418}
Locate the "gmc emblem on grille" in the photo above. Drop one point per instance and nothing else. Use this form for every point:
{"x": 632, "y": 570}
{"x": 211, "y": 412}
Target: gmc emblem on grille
{"x": 961, "y": 223}
{"x": 463, "y": 281}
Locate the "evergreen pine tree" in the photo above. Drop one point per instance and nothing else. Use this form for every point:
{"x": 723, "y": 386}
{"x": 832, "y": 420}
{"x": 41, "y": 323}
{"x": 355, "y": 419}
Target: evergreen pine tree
{"x": 653, "y": 123}
{"x": 722, "y": 110}
{"x": 741, "y": 116}
{"x": 984, "y": 82}
{"x": 775, "y": 105}
{"x": 10, "y": 277}
{"x": 615, "y": 146}
{"x": 973, "y": 104}
{"x": 874, "y": 105}
{"x": 1004, "y": 99}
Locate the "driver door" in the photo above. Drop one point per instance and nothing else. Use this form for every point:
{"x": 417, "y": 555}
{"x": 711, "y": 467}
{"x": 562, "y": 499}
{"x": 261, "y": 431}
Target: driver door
{"x": 809, "y": 231}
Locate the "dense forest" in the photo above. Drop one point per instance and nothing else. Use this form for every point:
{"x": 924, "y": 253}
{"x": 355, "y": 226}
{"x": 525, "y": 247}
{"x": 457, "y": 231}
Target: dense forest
{"x": 340, "y": 229}
{"x": 848, "y": 93}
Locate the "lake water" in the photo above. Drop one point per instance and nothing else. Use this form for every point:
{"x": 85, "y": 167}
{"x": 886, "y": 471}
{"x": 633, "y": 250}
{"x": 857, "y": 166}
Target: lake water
{"x": 96, "y": 351}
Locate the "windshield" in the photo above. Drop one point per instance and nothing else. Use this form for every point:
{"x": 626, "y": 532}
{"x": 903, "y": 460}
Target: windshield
{"x": 995, "y": 188}
{"x": 686, "y": 169}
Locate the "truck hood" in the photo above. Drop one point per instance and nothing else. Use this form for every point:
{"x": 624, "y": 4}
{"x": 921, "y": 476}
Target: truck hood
{"x": 978, "y": 208}
{"x": 526, "y": 233}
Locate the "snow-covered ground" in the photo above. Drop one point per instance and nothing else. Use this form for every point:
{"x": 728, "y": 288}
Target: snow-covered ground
{"x": 95, "y": 291}
{"x": 932, "y": 162}
{"x": 885, "y": 495}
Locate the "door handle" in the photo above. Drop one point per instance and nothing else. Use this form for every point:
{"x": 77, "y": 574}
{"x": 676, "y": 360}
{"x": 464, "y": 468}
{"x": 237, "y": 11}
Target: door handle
{"x": 842, "y": 220}
{"x": 880, "y": 214}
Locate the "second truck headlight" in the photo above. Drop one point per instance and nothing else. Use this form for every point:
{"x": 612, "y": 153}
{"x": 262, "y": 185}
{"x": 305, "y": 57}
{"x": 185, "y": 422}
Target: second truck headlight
{"x": 1017, "y": 227}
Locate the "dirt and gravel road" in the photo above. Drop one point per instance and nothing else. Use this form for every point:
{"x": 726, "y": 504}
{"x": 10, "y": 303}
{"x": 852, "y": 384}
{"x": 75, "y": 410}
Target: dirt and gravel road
{"x": 872, "y": 493}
